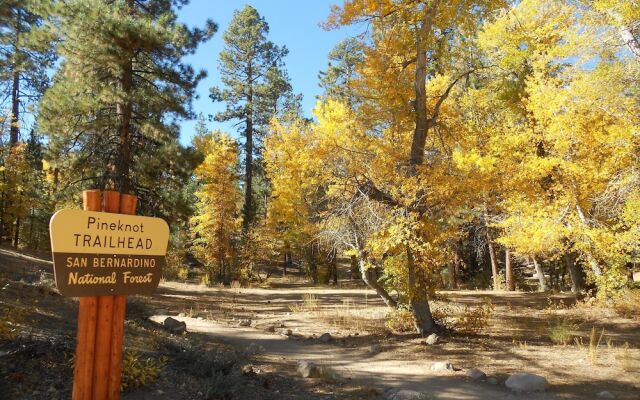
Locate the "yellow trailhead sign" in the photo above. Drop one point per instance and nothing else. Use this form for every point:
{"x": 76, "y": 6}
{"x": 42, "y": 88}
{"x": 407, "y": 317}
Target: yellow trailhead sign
{"x": 97, "y": 253}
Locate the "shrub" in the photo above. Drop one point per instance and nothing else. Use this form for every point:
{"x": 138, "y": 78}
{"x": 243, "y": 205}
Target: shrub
{"x": 175, "y": 268}
{"x": 561, "y": 332}
{"x": 137, "y": 371}
{"x": 475, "y": 319}
{"x": 13, "y": 317}
{"x": 627, "y": 303}
{"x": 400, "y": 320}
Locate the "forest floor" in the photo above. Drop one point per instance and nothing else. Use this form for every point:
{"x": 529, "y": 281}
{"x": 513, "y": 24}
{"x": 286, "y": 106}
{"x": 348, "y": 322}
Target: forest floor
{"x": 220, "y": 359}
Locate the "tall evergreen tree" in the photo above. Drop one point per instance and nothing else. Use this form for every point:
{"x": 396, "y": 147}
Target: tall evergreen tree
{"x": 255, "y": 89}
{"x": 111, "y": 112}
{"x": 25, "y": 56}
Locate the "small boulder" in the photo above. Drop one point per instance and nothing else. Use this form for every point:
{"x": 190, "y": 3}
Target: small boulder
{"x": 605, "y": 395}
{"x": 271, "y": 328}
{"x": 307, "y": 369}
{"x": 523, "y": 382}
{"x": 174, "y": 326}
{"x": 476, "y": 374}
{"x": 375, "y": 348}
{"x": 492, "y": 381}
{"x": 288, "y": 332}
{"x": 248, "y": 370}
{"x": 400, "y": 394}
{"x": 442, "y": 366}
{"x": 432, "y": 339}
{"x": 244, "y": 322}
{"x": 326, "y": 338}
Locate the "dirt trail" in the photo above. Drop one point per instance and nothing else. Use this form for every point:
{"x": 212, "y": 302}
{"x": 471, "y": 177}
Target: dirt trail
{"x": 383, "y": 370}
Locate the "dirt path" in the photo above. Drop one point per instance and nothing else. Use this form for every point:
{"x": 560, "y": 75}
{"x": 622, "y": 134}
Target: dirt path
{"x": 354, "y": 364}
{"x": 384, "y": 370}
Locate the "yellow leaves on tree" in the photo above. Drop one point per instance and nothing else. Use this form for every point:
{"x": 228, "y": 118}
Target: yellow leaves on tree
{"x": 216, "y": 223}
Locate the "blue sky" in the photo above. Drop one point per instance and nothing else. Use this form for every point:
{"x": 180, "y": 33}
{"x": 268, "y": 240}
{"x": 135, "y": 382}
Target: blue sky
{"x": 293, "y": 23}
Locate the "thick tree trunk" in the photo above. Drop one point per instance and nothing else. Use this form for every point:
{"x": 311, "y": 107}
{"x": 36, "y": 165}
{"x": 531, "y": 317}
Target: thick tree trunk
{"x": 540, "y": 274}
{"x": 285, "y": 263}
{"x": 16, "y": 233}
{"x": 354, "y": 267}
{"x": 248, "y": 208}
{"x": 509, "y": 271}
{"x": 367, "y": 276}
{"x": 422, "y": 318}
{"x": 422, "y": 121}
{"x": 452, "y": 275}
{"x": 124, "y": 110}
{"x": 334, "y": 267}
{"x": 575, "y": 273}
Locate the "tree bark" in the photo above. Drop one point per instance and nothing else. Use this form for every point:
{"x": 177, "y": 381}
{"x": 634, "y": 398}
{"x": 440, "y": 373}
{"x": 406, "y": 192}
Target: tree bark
{"x": 248, "y": 208}
{"x": 575, "y": 273}
{"x": 540, "y": 274}
{"x": 494, "y": 261}
{"x": 313, "y": 266}
{"x": 284, "y": 264}
{"x": 367, "y": 276}
{"x": 14, "y": 130}
{"x": 422, "y": 122}
{"x": 124, "y": 109}
{"x": 509, "y": 271}
{"x": 422, "y": 318}
{"x": 453, "y": 284}
{"x": 354, "y": 267}
{"x": 334, "y": 266}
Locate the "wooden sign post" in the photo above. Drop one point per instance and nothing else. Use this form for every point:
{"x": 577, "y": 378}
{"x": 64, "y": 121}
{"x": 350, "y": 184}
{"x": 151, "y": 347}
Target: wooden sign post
{"x": 101, "y": 258}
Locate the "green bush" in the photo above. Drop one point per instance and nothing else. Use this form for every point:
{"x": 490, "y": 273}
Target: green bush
{"x": 561, "y": 332}
{"x": 400, "y": 320}
{"x": 138, "y": 371}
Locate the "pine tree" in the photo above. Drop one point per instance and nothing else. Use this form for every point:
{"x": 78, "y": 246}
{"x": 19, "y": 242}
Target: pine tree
{"x": 255, "y": 89}
{"x": 122, "y": 84}
{"x": 25, "y": 56}
{"x": 342, "y": 66}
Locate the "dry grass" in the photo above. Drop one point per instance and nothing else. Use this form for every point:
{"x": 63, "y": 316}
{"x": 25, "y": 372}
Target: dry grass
{"x": 309, "y": 303}
{"x": 351, "y": 317}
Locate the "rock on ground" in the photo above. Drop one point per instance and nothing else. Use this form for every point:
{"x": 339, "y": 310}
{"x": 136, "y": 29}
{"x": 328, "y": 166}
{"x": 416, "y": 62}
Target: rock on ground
{"x": 475, "y": 374}
{"x": 245, "y": 322}
{"x": 442, "y": 366}
{"x": 523, "y": 382}
{"x": 307, "y": 369}
{"x": 399, "y": 394}
{"x": 432, "y": 339}
{"x": 174, "y": 326}
{"x": 326, "y": 338}
{"x": 605, "y": 395}
{"x": 375, "y": 349}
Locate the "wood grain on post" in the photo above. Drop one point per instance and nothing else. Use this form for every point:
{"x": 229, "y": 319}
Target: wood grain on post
{"x": 104, "y": 323}
{"x": 128, "y": 205}
{"x": 87, "y": 314}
